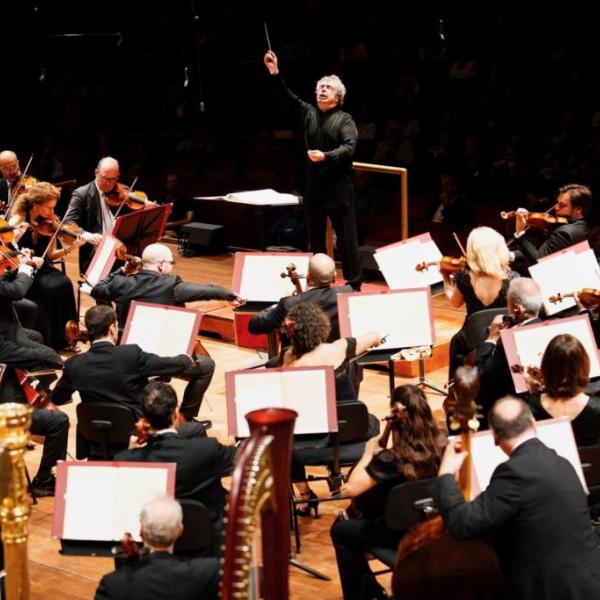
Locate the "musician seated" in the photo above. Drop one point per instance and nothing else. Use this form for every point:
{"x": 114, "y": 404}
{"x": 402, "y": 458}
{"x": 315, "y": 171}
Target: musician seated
{"x": 524, "y": 301}
{"x": 534, "y": 510}
{"x": 564, "y": 374}
{"x": 201, "y": 461}
{"x": 11, "y": 173}
{"x": 308, "y": 328}
{"x": 111, "y": 373}
{"x": 160, "y": 574}
{"x": 52, "y": 424}
{"x": 414, "y": 453}
{"x": 320, "y": 291}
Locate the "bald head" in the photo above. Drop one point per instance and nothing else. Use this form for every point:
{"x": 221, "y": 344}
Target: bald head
{"x": 107, "y": 174}
{"x": 9, "y": 165}
{"x": 510, "y": 418}
{"x": 108, "y": 162}
{"x": 156, "y": 256}
{"x": 525, "y": 293}
{"x": 161, "y": 520}
{"x": 321, "y": 270}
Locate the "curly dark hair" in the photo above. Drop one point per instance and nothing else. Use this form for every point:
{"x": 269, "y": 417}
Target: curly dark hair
{"x": 418, "y": 443}
{"x": 309, "y": 326}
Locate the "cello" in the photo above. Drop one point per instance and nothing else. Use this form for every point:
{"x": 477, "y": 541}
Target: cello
{"x": 430, "y": 562}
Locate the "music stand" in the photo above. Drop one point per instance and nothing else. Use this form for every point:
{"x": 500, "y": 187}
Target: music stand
{"x": 141, "y": 228}
{"x": 310, "y": 391}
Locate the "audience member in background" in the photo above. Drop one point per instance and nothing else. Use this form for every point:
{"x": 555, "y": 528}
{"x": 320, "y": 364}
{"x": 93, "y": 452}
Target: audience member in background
{"x": 182, "y": 212}
{"x": 414, "y": 452}
{"x": 159, "y": 574}
{"x": 565, "y": 371}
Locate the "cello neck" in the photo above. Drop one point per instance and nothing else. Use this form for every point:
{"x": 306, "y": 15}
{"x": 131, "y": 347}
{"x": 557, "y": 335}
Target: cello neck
{"x": 464, "y": 476}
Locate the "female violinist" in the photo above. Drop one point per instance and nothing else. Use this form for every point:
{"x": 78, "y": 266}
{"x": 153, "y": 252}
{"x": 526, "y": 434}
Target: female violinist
{"x": 33, "y": 213}
{"x": 481, "y": 284}
{"x": 414, "y": 453}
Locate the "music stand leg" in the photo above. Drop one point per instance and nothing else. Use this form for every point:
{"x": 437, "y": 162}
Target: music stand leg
{"x": 392, "y": 377}
{"x": 422, "y": 381}
{"x": 296, "y": 563}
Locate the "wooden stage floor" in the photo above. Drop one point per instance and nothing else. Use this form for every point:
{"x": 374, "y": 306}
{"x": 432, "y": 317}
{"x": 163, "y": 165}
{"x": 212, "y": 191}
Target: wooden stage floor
{"x": 71, "y": 578}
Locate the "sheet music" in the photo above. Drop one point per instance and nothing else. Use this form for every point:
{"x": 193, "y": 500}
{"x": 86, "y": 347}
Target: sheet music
{"x": 261, "y": 276}
{"x": 531, "y": 342}
{"x": 397, "y": 263}
{"x": 266, "y": 197}
{"x": 304, "y": 391}
{"x": 577, "y": 271}
{"x": 102, "y": 503}
{"x": 555, "y": 433}
{"x": 160, "y": 330}
{"x": 405, "y": 317}
{"x": 104, "y": 259}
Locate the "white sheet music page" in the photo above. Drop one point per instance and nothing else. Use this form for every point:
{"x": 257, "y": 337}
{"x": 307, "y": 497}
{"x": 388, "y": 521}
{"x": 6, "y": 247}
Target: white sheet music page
{"x": 398, "y": 262}
{"x": 304, "y": 391}
{"x": 531, "y": 342}
{"x": 404, "y": 317}
{"x": 160, "y": 330}
{"x": 555, "y": 433}
{"x": 102, "y": 503}
{"x": 261, "y": 276}
{"x": 565, "y": 272}
{"x": 104, "y": 259}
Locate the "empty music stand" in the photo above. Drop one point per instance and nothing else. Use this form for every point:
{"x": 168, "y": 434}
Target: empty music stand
{"x": 141, "y": 228}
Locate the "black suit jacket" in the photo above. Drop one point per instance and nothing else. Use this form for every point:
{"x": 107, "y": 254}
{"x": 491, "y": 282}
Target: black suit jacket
{"x": 109, "y": 373}
{"x": 150, "y": 286}
{"x": 162, "y": 576}
{"x": 3, "y": 190}
{"x": 537, "y": 512}
{"x": 201, "y": 462}
{"x": 561, "y": 237}
{"x": 12, "y": 288}
{"x": 325, "y": 297}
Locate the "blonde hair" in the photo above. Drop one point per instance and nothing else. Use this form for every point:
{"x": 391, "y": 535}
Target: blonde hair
{"x": 487, "y": 253}
{"x": 39, "y": 193}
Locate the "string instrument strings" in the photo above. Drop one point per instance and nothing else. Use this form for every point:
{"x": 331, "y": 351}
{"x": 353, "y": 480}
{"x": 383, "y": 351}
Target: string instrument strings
{"x": 19, "y": 184}
{"x": 295, "y": 278}
{"x": 588, "y": 297}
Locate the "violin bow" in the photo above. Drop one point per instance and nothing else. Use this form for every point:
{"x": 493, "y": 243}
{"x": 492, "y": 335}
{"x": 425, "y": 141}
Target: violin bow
{"x": 12, "y": 197}
{"x": 460, "y": 246}
{"x": 129, "y": 190}
{"x": 53, "y": 238}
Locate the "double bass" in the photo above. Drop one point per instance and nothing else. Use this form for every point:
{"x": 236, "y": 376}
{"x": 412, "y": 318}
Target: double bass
{"x": 430, "y": 562}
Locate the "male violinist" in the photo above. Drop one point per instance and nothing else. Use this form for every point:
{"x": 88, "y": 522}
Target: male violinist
{"x": 574, "y": 202}
{"x": 89, "y": 209}
{"x": 11, "y": 173}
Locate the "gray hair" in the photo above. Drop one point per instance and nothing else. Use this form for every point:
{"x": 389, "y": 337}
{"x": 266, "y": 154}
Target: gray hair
{"x": 526, "y": 292}
{"x": 161, "y": 520}
{"x": 336, "y": 83}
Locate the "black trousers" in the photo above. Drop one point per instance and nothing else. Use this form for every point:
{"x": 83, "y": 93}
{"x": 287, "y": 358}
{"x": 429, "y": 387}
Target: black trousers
{"x": 199, "y": 375}
{"x": 349, "y": 541}
{"x": 54, "y": 425}
{"x": 343, "y": 220}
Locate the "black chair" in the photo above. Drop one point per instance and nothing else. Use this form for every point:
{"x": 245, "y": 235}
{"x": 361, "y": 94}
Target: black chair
{"x": 590, "y": 463}
{"x": 197, "y": 530}
{"x": 475, "y": 328}
{"x": 406, "y": 505}
{"x": 105, "y": 427}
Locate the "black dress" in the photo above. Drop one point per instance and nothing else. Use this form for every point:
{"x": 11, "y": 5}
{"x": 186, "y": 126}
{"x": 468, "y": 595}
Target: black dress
{"x": 351, "y": 536}
{"x": 462, "y": 279}
{"x": 586, "y": 425}
{"x": 52, "y": 291}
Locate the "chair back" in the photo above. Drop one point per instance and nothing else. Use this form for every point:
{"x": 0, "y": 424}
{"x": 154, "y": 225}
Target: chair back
{"x": 475, "y": 329}
{"x": 197, "y": 529}
{"x": 590, "y": 463}
{"x": 407, "y": 503}
{"x": 105, "y": 423}
{"x": 353, "y": 421}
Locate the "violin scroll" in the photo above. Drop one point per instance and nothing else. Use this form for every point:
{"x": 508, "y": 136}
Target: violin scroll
{"x": 294, "y": 278}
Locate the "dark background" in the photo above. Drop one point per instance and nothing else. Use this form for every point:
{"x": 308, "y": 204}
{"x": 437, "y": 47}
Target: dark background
{"x": 498, "y": 109}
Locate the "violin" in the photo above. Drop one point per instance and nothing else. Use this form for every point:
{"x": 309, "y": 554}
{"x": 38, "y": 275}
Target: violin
{"x": 23, "y": 185}
{"x": 74, "y": 333}
{"x": 120, "y": 194}
{"x": 35, "y": 395}
{"x": 7, "y": 232}
{"x": 133, "y": 263}
{"x": 143, "y": 430}
{"x": 447, "y": 264}
{"x": 536, "y": 220}
{"x": 587, "y": 296}
{"x": 294, "y": 278}
{"x": 67, "y": 232}
{"x": 128, "y": 551}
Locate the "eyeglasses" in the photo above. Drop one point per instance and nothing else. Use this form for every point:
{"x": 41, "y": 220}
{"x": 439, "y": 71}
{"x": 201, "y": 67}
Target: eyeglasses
{"x": 108, "y": 178}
